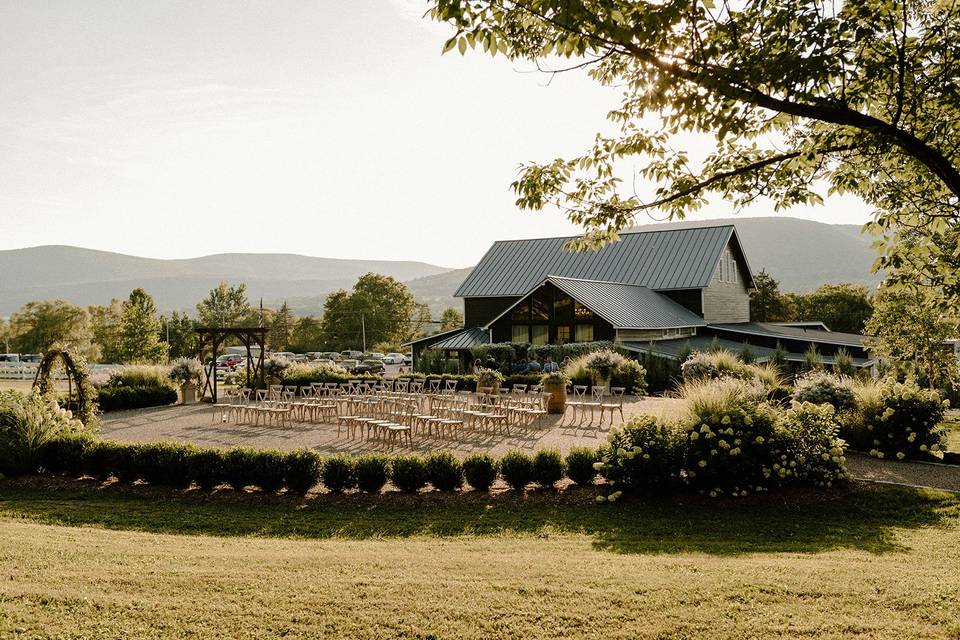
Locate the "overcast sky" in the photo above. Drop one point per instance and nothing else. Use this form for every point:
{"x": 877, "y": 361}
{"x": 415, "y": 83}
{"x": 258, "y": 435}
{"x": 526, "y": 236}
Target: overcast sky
{"x": 328, "y": 128}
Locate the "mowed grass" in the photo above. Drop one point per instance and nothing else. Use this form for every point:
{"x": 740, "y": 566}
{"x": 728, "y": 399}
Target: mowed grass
{"x": 81, "y": 560}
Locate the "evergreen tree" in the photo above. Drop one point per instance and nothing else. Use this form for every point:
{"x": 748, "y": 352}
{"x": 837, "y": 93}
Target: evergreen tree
{"x": 140, "y": 330}
{"x": 766, "y": 303}
{"x": 183, "y": 339}
{"x": 281, "y": 328}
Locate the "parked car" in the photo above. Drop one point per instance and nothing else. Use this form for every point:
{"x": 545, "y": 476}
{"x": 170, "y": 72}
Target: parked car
{"x": 349, "y": 364}
{"x": 374, "y": 355}
{"x": 332, "y": 355}
{"x": 9, "y": 357}
{"x": 229, "y": 361}
{"x": 297, "y": 357}
{"x": 286, "y": 355}
{"x": 314, "y": 355}
{"x": 408, "y": 358}
{"x": 370, "y": 366}
{"x": 353, "y": 355}
{"x": 325, "y": 362}
{"x": 393, "y": 358}
{"x": 31, "y": 357}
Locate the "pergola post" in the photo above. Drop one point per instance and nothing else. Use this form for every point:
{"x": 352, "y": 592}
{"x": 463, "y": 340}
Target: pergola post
{"x": 217, "y": 336}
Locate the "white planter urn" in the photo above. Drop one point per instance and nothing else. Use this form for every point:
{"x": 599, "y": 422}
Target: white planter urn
{"x": 188, "y": 393}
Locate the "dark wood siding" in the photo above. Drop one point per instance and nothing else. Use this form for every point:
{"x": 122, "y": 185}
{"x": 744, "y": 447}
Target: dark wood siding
{"x": 477, "y": 312}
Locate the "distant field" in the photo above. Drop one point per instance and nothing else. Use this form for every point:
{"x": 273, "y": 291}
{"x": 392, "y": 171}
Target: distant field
{"x": 877, "y": 562}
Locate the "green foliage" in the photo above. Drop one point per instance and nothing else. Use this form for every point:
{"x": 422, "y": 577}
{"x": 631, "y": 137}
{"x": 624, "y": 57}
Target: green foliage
{"x": 643, "y": 454}
{"x": 559, "y": 352}
{"x": 451, "y": 319}
{"x": 820, "y": 387}
{"x": 183, "y": 370}
{"x": 548, "y": 468}
{"x": 843, "y": 363}
{"x": 372, "y": 471}
{"x": 602, "y": 364}
{"x": 500, "y": 353}
{"x": 64, "y": 454}
{"x": 301, "y": 471}
{"x": 842, "y": 307}
{"x": 435, "y": 361}
{"x": 140, "y": 330}
{"x": 909, "y": 326}
{"x": 630, "y": 375}
{"x": 84, "y": 408}
{"x": 306, "y": 335}
{"x": 98, "y": 459}
{"x": 444, "y": 471}
{"x": 138, "y": 397}
{"x": 896, "y": 420}
{"x": 207, "y": 467}
{"x": 27, "y": 423}
{"x": 713, "y": 365}
{"x": 237, "y": 468}
{"x": 516, "y": 469}
{"x": 268, "y": 468}
{"x": 807, "y": 434}
{"x": 339, "y": 473}
{"x": 663, "y": 373}
{"x": 408, "y": 473}
{"x": 165, "y": 463}
{"x": 226, "y": 306}
{"x": 812, "y": 360}
{"x": 487, "y": 378}
{"x": 40, "y": 326}
{"x": 378, "y": 305}
{"x": 140, "y": 376}
{"x": 746, "y": 354}
{"x": 183, "y": 337}
{"x": 766, "y": 302}
{"x": 580, "y": 465}
{"x": 281, "y": 329}
{"x": 303, "y": 374}
{"x": 480, "y": 471}
{"x": 849, "y": 99}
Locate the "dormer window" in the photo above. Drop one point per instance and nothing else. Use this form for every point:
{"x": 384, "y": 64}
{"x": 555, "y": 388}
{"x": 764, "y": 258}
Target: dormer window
{"x": 727, "y": 270}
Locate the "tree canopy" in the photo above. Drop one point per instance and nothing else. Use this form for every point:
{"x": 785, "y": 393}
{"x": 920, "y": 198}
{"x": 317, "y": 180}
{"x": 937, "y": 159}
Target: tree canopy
{"x": 859, "y": 96}
{"x": 140, "y": 330}
{"x": 38, "y": 326}
{"x": 225, "y": 306}
{"x": 379, "y": 306}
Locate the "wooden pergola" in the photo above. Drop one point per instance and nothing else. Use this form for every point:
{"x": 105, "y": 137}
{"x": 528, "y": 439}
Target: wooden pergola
{"x": 214, "y": 337}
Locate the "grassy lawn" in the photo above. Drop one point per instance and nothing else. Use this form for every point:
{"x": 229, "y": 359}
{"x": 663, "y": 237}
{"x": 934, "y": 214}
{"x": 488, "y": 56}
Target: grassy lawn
{"x": 79, "y": 560}
{"x": 953, "y": 438}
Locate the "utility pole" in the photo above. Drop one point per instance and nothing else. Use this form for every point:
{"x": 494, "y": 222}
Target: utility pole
{"x": 363, "y": 330}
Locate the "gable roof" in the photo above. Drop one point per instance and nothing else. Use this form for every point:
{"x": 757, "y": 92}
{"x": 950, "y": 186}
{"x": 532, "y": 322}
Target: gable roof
{"x": 624, "y": 306}
{"x": 776, "y": 330}
{"x": 660, "y": 260}
{"x": 465, "y": 339}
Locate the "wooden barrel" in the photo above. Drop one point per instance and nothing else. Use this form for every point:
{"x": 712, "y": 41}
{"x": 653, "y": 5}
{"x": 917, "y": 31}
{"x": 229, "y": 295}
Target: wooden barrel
{"x": 557, "y": 403}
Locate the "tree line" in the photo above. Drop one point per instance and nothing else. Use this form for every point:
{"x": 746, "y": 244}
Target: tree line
{"x": 378, "y": 307}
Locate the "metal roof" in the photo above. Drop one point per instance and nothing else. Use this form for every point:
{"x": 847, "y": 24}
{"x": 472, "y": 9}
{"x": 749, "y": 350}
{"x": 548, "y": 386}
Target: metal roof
{"x": 628, "y": 306}
{"x": 661, "y": 259}
{"x": 673, "y": 347}
{"x": 464, "y": 339}
{"x": 432, "y": 338}
{"x": 773, "y": 330}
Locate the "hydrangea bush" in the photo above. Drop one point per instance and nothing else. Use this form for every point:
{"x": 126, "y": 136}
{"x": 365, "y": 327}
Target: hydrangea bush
{"x": 644, "y": 454}
{"x": 821, "y": 387}
{"x": 807, "y": 446}
{"x": 896, "y": 420}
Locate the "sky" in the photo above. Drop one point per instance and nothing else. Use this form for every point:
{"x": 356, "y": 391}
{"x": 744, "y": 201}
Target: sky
{"x": 325, "y": 128}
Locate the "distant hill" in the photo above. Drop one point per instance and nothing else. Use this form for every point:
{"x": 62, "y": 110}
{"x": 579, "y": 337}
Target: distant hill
{"x": 800, "y": 254}
{"x": 85, "y": 276}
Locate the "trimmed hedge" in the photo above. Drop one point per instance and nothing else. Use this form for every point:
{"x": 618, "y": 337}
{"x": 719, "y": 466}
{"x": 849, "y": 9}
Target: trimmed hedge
{"x": 480, "y": 471}
{"x": 516, "y": 469}
{"x": 112, "y": 398}
{"x": 409, "y": 473}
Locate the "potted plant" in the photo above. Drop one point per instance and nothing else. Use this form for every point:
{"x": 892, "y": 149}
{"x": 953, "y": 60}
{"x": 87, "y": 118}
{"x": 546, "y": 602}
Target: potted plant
{"x": 602, "y": 363}
{"x": 489, "y": 379}
{"x": 555, "y": 383}
{"x": 187, "y": 372}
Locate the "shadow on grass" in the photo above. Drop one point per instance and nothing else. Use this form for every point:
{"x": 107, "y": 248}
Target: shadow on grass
{"x": 862, "y": 517}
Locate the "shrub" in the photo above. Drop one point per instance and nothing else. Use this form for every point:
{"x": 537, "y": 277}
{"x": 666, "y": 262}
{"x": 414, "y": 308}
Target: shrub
{"x": 896, "y": 420}
{"x": 124, "y": 462}
{"x": 134, "y": 397}
{"x": 268, "y": 469}
{"x": 27, "y": 422}
{"x": 96, "y": 461}
{"x": 207, "y": 467}
{"x": 274, "y": 368}
{"x": 64, "y": 454}
{"x": 237, "y": 468}
{"x": 488, "y": 378}
{"x": 444, "y": 471}
{"x": 140, "y": 375}
{"x": 720, "y": 363}
{"x": 408, "y": 473}
{"x": 338, "y": 473}
{"x": 807, "y": 444}
{"x": 820, "y": 387}
{"x": 301, "y": 471}
{"x": 516, "y": 468}
{"x": 728, "y": 448}
{"x": 185, "y": 370}
{"x": 164, "y": 463}
{"x": 548, "y": 467}
{"x": 372, "y": 471}
{"x": 631, "y": 375}
{"x": 580, "y": 469}
{"x": 480, "y": 471}
{"x": 644, "y": 454}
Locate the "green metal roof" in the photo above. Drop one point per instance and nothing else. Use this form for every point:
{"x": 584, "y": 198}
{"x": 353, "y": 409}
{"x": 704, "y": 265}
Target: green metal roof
{"x": 785, "y": 331}
{"x": 660, "y": 260}
{"x": 463, "y": 339}
{"x": 673, "y": 347}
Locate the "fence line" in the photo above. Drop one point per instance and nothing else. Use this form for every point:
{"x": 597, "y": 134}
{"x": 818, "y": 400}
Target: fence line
{"x": 28, "y": 370}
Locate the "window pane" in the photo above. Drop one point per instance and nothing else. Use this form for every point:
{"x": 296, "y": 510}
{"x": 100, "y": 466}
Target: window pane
{"x": 520, "y": 333}
{"x": 522, "y": 312}
{"x": 584, "y": 333}
{"x": 582, "y": 313}
{"x": 563, "y": 308}
{"x": 563, "y": 334}
{"x": 540, "y": 305}
{"x": 541, "y": 334}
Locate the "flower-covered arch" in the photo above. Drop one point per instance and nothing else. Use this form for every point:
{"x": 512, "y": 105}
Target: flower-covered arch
{"x": 78, "y": 380}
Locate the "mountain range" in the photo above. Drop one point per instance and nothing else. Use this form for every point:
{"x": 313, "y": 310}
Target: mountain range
{"x": 800, "y": 254}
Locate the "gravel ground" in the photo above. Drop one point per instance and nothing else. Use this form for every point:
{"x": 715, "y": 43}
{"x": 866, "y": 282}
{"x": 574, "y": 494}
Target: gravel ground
{"x": 195, "y": 424}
